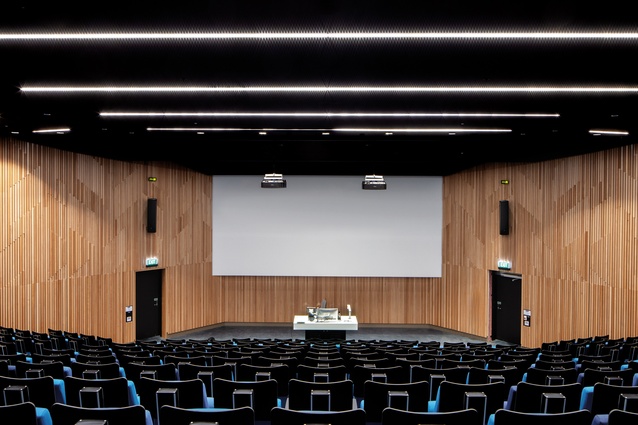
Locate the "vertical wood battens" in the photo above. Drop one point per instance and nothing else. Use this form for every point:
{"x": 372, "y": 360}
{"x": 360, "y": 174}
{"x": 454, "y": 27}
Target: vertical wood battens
{"x": 73, "y": 235}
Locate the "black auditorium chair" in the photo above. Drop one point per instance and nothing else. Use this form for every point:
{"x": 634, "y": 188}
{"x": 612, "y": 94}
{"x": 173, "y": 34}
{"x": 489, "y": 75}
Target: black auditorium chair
{"x": 392, "y": 374}
{"x": 281, "y": 416}
{"x": 485, "y": 398}
{"x": 615, "y": 377}
{"x": 165, "y": 372}
{"x": 406, "y": 396}
{"x": 537, "y": 398}
{"x": 207, "y": 374}
{"x": 32, "y": 370}
{"x": 537, "y": 375}
{"x": 91, "y": 358}
{"x": 622, "y": 417}
{"x": 154, "y": 393}
{"x": 98, "y": 371}
{"x": 593, "y": 364}
{"x": 607, "y": 397}
{"x": 332, "y": 396}
{"x": 392, "y": 416}
{"x": 280, "y": 373}
{"x": 171, "y": 415}
{"x": 4, "y": 368}
{"x": 436, "y": 376}
{"x": 64, "y": 414}
{"x": 483, "y": 376}
{"x": 510, "y": 417}
{"x": 65, "y": 358}
{"x": 260, "y": 395}
{"x": 83, "y": 392}
{"x": 565, "y": 364}
{"x": 195, "y": 359}
{"x": 325, "y": 374}
{"x": 19, "y": 414}
{"x": 39, "y": 391}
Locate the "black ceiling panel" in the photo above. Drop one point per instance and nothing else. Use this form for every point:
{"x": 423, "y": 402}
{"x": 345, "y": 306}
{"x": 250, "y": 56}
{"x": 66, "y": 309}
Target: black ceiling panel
{"x": 358, "y": 82}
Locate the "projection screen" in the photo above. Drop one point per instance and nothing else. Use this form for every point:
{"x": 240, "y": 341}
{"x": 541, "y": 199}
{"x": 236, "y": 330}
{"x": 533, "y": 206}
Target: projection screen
{"x": 327, "y": 226}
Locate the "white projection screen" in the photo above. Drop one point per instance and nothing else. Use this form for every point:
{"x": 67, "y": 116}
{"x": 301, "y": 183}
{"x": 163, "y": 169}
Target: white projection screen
{"x": 327, "y": 226}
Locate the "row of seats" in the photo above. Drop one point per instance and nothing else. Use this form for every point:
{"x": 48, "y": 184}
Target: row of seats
{"x": 243, "y": 366}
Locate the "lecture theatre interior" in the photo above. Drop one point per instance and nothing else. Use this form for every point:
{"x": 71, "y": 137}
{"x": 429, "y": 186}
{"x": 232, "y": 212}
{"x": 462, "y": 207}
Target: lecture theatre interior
{"x": 348, "y": 175}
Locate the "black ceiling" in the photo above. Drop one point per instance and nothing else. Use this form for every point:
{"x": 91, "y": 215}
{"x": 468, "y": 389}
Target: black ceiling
{"x": 354, "y": 57}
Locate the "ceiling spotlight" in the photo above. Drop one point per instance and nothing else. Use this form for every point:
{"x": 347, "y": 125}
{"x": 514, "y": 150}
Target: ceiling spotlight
{"x": 275, "y": 181}
{"x": 373, "y": 182}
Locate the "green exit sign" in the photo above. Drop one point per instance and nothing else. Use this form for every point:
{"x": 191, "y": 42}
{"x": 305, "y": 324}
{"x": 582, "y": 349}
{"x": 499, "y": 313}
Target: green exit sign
{"x": 152, "y": 262}
{"x": 505, "y": 182}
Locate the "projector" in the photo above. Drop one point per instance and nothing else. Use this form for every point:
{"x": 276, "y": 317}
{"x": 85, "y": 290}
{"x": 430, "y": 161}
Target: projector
{"x": 273, "y": 181}
{"x": 373, "y": 182}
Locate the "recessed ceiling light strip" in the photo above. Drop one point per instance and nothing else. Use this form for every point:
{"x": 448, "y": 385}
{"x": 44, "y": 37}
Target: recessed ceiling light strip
{"x": 360, "y": 130}
{"x": 323, "y": 89}
{"x": 323, "y": 115}
{"x": 486, "y": 35}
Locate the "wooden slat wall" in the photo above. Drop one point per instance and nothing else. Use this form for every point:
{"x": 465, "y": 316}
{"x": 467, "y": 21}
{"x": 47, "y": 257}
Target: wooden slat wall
{"x": 72, "y": 237}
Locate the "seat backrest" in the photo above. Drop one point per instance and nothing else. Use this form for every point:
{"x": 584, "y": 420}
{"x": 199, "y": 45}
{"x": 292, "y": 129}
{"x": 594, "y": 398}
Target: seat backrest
{"x": 530, "y": 397}
{"x": 340, "y": 394}
{"x": 593, "y": 376}
{"x": 312, "y": 373}
{"x": 54, "y": 369}
{"x": 392, "y": 416}
{"x": 508, "y": 417}
{"x": 189, "y": 394}
{"x": 565, "y": 364}
{"x": 281, "y": 416}
{"x": 232, "y": 394}
{"x": 537, "y": 375}
{"x": 170, "y": 415}
{"x": 622, "y": 417}
{"x": 606, "y": 397}
{"x": 190, "y": 371}
{"x": 393, "y": 374}
{"x": 164, "y": 372}
{"x": 452, "y": 397}
{"x": 64, "y": 414}
{"x": 114, "y": 392}
{"x": 407, "y": 396}
{"x": 41, "y": 390}
{"x": 106, "y": 370}
{"x": 435, "y": 376}
{"x": 594, "y": 364}
{"x": 19, "y": 414}
{"x": 280, "y": 373}
{"x": 477, "y": 375}
{"x": 65, "y": 358}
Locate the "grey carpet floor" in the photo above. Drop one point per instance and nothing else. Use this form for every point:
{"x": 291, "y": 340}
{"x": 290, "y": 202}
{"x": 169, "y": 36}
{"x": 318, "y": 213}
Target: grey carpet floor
{"x": 419, "y": 333}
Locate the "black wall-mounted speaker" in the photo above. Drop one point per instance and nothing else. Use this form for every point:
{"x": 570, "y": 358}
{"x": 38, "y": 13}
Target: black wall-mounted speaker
{"x": 151, "y": 215}
{"x": 504, "y": 218}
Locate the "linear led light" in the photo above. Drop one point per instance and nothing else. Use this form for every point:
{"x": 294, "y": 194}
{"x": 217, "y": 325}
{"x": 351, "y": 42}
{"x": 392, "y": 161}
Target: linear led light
{"x": 320, "y": 36}
{"x": 322, "y": 130}
{"x": 323, "y": 115}
{"x": 609, "y": 132}
{"x": 52, "y": 130}
{"x": 323, "y": 89}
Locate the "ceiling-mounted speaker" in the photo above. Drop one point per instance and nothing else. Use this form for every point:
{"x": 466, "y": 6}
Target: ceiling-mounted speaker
{"x": 151, "y": 215}
{"x": 504, "y": 218}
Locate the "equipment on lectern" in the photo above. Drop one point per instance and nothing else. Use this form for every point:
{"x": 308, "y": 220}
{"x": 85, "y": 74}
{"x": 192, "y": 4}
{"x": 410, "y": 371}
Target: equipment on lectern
{"x": 349, "y": 311}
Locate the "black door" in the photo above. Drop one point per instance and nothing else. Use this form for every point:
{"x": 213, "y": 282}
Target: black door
{"x": 148, "y": 299}
{"x": 506, "y": 307}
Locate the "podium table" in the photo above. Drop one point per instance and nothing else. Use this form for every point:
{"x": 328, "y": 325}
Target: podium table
{"x": 325, "y": 329}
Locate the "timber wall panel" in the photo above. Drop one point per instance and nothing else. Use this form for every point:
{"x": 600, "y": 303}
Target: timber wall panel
{"x": 73, "y": 236}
